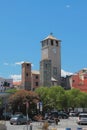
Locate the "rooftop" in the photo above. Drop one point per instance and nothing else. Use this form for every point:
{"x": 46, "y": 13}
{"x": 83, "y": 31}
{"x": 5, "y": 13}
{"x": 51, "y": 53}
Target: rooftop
{"x": 35, "y": 72}
{"x": 51, "y": 37}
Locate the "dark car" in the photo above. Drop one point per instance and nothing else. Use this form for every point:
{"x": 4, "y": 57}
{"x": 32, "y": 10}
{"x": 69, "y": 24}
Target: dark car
{"x": 59, "y": 115}
{"x": 19, "y": 119}
{"x": 63, "y": 115}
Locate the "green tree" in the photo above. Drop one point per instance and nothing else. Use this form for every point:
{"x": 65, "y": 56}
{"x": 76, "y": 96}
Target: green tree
{"x": 12, "y": 90}
{"x": 52, "y": 98}
{"x": 76, "y": 98}
{"x": 43, "y": 93}
{"x": 82, "y": 100}
{"x": 57, "y": 97}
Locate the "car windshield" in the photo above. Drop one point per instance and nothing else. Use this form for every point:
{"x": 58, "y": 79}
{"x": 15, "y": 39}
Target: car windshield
{"x": 83, "y": 116}
{"x": 16, "y": 116}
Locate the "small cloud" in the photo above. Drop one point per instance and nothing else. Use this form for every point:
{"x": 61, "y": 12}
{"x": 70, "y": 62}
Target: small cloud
{"x": 6, "y": 63}
{"x": 32, "y": 65}
{"x": 16, "y": 77}
{"x": 67, "y": 6}
{"x": 19, "y": 63}
{"x": 64, "y": 73}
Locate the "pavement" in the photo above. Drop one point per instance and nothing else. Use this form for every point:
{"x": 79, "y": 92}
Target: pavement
{"x": 38, "y": 126}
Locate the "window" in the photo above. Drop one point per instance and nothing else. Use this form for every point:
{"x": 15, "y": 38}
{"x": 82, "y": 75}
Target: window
{"x": 36, "y": 76}
{"x": 47, "y": 42}
{"x": 73, "y": 81}
{"x": 27, "y": 64}
{"x": 42, "y": 44}
{"x": 46, "y": 66}
{"x": 54, "y": 71}
{"x": 52, "y": 42}
{"x": 85, "y": 77}
{"x": 56, "y": 43}
{"x": 36, "y": 83}
{"x": 27, "y": 74}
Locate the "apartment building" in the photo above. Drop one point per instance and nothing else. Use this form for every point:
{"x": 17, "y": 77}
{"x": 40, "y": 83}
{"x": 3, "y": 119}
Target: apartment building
{"x": 5, "y": 84}
{"x": 79, "y": 80}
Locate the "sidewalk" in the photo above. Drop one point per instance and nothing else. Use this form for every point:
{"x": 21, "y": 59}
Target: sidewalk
{"x": 38, "y": 126}
{"x": 2, "y": 125}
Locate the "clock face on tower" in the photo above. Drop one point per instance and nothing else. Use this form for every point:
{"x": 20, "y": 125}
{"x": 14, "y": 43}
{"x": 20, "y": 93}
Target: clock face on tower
{"x": 45, "y": 53}
{"x": 54, "y": 50}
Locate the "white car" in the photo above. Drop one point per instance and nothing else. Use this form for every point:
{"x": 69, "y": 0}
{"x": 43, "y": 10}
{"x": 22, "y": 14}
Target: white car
{"x": 82, "y": 118}
{"x": 72, "y": 114}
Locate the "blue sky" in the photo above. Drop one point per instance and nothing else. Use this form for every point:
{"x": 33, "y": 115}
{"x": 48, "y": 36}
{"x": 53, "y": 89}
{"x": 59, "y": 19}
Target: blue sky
{"x": 25, "y": 23}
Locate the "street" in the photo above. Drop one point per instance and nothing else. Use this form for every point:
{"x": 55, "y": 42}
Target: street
{"x": 62, "y": 125}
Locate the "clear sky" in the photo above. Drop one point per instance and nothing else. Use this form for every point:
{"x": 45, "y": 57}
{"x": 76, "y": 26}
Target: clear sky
{"x": 25, "y": 23}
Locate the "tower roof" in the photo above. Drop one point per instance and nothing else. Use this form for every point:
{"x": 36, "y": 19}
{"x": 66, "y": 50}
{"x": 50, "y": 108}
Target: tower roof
{"x": 35, "y": 72}
{"x": 51, "y": 37}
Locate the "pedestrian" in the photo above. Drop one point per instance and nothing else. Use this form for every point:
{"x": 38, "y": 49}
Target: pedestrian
{"x": 56, "y": 121}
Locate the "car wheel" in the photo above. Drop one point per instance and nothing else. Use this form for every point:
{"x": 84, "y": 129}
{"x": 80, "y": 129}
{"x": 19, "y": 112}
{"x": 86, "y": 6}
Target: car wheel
{"x": 60, "y": 117}
{"x": 79, "y": 123}
{"x": 11, "y": 123}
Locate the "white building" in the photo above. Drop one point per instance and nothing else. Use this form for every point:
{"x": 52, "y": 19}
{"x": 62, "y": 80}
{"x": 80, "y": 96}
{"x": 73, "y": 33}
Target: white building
{"x": 5, "y": 83}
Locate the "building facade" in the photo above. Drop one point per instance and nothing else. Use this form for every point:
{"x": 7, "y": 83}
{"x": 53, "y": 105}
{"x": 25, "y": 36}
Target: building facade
{"x": 50, "y": 64}
{"x": 5, "y": 84}
{"x": 79, "y": 80}
{"x": 35, "y": 79}
{"x": 26, "y": 76}
{"x": 30, "y": 78}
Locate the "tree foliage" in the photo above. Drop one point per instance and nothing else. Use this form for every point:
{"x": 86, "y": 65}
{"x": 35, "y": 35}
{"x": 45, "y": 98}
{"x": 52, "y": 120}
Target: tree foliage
{"x": 56, "y": 97}
{"x": 76, "y": 98}
{"x": 53, "y": 97}
{"x": 18, "y": 101}
{"x": 12, "y": 90}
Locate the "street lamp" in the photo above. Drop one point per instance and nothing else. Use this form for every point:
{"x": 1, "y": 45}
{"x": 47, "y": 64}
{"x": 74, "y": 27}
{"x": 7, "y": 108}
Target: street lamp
{"x": 27, "y": 107}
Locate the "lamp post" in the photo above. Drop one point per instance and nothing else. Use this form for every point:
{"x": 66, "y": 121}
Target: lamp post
{"x": 27, "y": 107}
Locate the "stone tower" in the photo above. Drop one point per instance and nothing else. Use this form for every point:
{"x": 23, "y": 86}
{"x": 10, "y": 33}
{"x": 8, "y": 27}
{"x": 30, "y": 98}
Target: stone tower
{"x": 26, "y": 75}
{"x": 50, "y": 64}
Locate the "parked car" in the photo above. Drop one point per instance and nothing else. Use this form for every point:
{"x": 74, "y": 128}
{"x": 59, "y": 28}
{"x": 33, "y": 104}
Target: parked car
{"x": 19, "y": 119}
{"x": 63, "y": 115}
{"x": 82, "y": 118}
{"x": 59, "y": 115}
{"x": 73, "y": 114}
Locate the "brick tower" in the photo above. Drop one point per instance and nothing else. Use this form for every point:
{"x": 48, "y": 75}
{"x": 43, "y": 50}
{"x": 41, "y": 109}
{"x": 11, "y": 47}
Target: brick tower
{"x": 26, "y": 75}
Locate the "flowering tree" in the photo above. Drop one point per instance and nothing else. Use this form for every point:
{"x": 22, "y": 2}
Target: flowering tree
{"x": 22, "y": 100}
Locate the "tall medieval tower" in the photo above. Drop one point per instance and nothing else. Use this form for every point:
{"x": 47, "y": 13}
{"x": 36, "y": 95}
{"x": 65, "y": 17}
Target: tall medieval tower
{"x": 26, "y": 75}
{"x": 50, "y": 64}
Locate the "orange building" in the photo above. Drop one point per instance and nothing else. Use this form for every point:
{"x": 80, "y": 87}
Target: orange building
{"x": 79, "y": 80}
